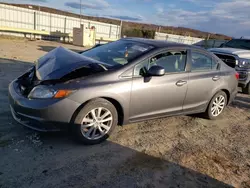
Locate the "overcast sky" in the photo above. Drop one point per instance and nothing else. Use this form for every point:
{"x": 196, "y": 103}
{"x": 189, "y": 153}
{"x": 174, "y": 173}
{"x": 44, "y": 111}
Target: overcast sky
{"x": 230, "y": 17}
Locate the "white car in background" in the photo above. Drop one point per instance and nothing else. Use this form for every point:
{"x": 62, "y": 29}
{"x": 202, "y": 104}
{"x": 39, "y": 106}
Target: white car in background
{"x": 236, "y": 54}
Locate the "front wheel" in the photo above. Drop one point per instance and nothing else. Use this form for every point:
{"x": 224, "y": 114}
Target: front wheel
{"x": 95, "y": 122}
{"x": 246, "y": 90}
{"x": 216, "y": 105}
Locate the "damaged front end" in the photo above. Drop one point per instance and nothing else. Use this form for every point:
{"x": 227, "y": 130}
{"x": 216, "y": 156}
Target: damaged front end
{"x": 58, "y": 66}
{"x": 27, "y": 82}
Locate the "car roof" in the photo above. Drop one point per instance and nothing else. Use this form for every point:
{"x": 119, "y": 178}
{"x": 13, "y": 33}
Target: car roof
{"x": 160, "y": 43}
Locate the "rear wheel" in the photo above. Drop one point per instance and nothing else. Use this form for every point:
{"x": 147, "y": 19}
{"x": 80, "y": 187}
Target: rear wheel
{"x": 246, "y": 90}
{"x": 216, "y": 105}
{"x": 95, "y": 121}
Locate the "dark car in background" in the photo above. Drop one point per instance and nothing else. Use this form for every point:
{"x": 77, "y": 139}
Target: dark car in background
{"x": 118, "y": 83}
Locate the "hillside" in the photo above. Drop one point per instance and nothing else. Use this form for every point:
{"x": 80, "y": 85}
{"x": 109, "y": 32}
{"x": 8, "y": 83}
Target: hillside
{"x": 133, "y": 28}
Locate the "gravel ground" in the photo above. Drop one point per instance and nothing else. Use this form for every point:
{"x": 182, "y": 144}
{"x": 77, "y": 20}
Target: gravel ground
{"x": 185, "y": 151}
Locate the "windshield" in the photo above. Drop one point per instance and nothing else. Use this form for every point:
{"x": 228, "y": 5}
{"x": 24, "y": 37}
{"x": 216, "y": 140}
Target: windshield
{"x": 119, "y": 52}
{"x": 238, "y": 43}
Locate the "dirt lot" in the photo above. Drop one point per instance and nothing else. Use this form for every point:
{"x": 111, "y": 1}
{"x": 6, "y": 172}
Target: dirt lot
{"x": 184, "y": 151}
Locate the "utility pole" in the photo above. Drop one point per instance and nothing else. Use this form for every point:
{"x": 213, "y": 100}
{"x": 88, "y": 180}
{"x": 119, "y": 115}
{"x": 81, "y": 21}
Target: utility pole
{"x": 121, "y": 29}
{"x": 39, "y": 22}
{"x": 80, "y": 13}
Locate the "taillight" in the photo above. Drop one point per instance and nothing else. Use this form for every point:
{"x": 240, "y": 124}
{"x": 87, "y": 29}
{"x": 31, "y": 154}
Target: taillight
{"x": 237, "y": 75}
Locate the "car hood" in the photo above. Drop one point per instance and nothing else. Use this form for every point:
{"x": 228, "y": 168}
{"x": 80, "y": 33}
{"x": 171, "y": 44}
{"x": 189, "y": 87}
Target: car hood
{"x": 61, "y": 61}
{"x": 234, "y": 51}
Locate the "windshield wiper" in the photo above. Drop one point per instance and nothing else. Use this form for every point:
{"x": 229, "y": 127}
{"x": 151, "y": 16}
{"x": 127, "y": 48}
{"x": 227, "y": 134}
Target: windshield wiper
{"x": 103, "y": 66}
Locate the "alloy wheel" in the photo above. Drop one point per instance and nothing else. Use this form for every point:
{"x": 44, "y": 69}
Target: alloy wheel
{"x": 218, "y": 105}
{"x": 96, "y": 123}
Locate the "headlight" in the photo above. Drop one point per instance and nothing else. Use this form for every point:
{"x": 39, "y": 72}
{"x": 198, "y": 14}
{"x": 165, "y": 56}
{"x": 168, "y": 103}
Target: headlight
{"x": 44, "y": 92}
{"x": 243, "y": 63}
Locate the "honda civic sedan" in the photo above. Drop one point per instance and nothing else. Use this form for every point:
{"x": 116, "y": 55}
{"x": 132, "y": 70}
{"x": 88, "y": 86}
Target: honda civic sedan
{"x": 122, "y": 82}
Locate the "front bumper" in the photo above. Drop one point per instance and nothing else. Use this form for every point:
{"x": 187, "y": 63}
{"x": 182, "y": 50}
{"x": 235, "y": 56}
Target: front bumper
{"x": 41, "y": 114}
{"x": 36, "y": 123}
{"x": 244, "y": 77}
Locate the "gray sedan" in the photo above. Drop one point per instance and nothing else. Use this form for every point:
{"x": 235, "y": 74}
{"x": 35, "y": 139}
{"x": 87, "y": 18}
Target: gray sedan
{"x": 122, "y": 82}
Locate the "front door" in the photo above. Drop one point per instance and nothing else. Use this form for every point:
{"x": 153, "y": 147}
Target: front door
{"x": 159, "y": 95}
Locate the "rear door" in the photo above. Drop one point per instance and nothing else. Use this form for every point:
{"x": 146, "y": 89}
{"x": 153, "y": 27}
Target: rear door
{"x": 159, "y": 95}
{"x": 204, "y": 78}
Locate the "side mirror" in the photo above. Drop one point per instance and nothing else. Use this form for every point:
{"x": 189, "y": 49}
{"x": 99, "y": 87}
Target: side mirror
{"x": 156, "y": 71}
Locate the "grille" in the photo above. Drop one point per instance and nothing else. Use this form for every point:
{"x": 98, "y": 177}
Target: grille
{"x": 229, "y": 60}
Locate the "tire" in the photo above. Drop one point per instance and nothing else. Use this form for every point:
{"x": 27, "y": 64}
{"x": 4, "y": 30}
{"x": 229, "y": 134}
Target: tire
{"x": 246, "y": 90}
{"x": 210, "y": 112}
{"x": 90, "y": 135}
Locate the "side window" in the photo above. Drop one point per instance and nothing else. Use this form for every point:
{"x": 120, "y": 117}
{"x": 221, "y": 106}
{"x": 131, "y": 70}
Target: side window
{"x": 202, "y": 62}
{"x": 141, "y": 68}
{"x": 128, "y": 73}
{"x": 215, "y": 65}
{"x": 171, "y": 61}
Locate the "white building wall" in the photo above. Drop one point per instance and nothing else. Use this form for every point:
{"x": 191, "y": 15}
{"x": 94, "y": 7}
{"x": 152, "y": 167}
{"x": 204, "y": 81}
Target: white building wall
{"x": 16, "y": 17}
{"x": 177, "y": 38}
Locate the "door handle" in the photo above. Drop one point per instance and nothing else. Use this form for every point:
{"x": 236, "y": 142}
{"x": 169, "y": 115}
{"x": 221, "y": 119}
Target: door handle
{"x": 215, "y": 78}
{"x": 181, "y": 83}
